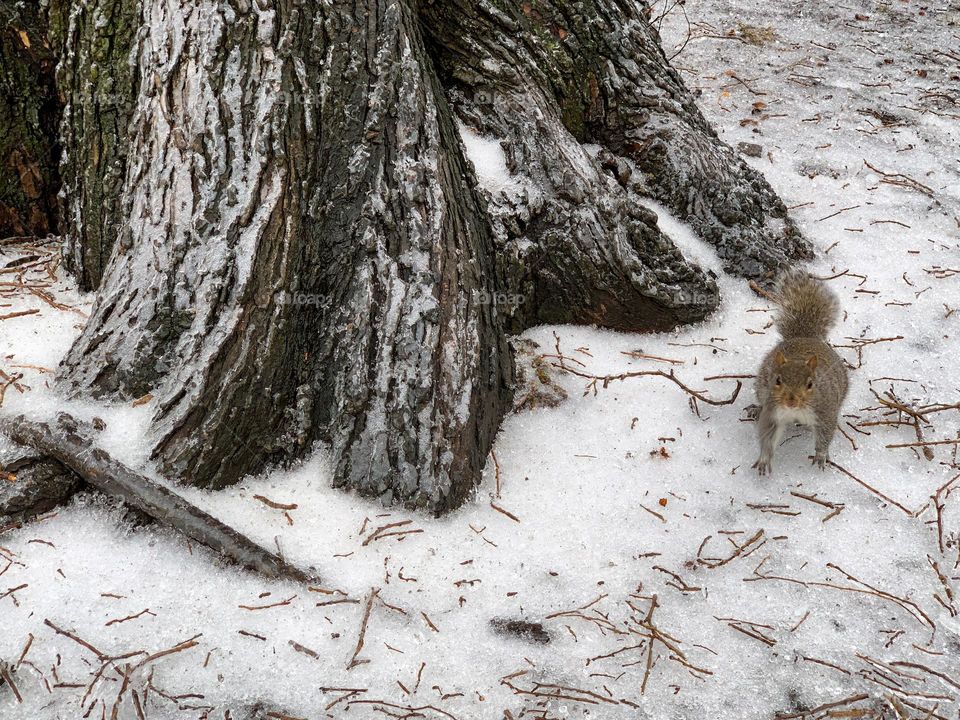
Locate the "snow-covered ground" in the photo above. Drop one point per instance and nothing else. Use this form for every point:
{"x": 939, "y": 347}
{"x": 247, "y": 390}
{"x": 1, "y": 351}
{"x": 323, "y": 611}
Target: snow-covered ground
{"x": 767, "y": 599}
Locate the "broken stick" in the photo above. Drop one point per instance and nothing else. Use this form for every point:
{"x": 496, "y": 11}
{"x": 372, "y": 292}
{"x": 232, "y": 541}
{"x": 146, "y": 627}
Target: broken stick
{"x": 67, "y": 442}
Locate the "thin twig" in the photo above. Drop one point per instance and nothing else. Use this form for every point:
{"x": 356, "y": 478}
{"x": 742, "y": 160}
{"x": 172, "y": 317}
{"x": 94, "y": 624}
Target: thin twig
{"x": 355, "y": 659}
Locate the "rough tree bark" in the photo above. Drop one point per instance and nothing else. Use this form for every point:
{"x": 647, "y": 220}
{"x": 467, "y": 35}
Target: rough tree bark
{"x": 28, "y": 118}
{"x": 96, "y": 79}
{"x": 574, "y": 242}
{"x": 303, "y": 251}
{"x": 295, "y": 247}
{"x": 33, "y": 485}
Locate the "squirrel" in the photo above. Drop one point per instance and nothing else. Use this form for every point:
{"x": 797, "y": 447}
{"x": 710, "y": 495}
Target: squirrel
{"x": 802, "y": 380}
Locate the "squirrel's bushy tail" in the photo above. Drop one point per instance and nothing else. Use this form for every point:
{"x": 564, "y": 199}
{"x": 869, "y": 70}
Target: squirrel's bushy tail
{"x": 808, "y": 308}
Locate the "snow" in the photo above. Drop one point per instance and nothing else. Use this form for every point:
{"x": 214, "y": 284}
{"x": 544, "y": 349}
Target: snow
{"x": 689, "y": 243}
{"x": 489, "y": 161}
{"x": 616, "y": 493}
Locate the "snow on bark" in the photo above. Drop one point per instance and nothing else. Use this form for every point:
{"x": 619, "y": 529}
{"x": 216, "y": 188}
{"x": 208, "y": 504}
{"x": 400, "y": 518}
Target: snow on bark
{"x": 574, "y": 243}
{"x": 414, "y": 369}
{"x": 653, "y": 119}
{"x": 598, "y": 66}
{"x": 192, "y": 294}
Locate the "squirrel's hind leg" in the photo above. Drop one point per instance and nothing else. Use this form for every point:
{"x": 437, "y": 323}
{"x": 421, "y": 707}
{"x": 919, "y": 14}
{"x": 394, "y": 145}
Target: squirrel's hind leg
{"x": 770, "y": 433}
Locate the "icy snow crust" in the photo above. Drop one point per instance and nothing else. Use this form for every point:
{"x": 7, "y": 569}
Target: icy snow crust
{"x": 602, "y": 515}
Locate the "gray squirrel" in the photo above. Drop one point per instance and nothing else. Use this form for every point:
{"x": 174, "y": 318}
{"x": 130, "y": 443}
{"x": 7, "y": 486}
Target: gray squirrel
{"x": 802, "y": 379}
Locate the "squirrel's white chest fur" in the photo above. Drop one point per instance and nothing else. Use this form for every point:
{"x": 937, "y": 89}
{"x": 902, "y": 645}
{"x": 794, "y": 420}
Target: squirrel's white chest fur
{"x": 803, "y": 416}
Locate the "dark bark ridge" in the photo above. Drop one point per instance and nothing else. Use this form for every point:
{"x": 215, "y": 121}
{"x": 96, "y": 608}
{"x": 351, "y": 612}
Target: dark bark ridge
{"x": 29, "y": 177}
{"x": 304, "y": 252}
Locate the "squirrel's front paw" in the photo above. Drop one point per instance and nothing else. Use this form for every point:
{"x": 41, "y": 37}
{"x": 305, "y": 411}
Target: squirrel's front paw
{"x": 752, "y": 411}
{"x": 763, "y": 466}
{"x": 820, "y": 460}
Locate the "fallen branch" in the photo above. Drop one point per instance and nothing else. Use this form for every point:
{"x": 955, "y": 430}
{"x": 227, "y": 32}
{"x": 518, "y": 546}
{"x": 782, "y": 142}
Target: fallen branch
{"x": 872, "y": 489}
{"x": 380, "y": 532}
{"x": 902, "y": 180}
{"x": 738, "y": 551}
{"x": 607, "y": 379}
{"x": 408, "y": 710}
{"x": 19, "y": 313}
{"x": 893, "y": 402}
{"x": 8, "y": 381}
{"x": 6, "y": 677}
{"x": 836, "y": 508}
{"x": 858, "y": 344}
{"x": 938, "y": 505}
{"x": 914, "y": 610}
{"x": 924, "y": 444}
{"x": 67, "y": 443}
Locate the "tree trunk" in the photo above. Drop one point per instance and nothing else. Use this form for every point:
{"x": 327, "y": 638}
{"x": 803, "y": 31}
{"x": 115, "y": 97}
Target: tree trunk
{"x": 301, "y": 241}
{"x": 574, "y": 242}
{"x": 306, "y": 254}
{"x": 28, "y": 119}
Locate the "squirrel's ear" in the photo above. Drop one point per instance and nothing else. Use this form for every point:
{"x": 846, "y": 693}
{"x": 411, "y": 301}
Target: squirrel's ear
{"x": 812, "y": 362}
{"x": 780, "y": 359}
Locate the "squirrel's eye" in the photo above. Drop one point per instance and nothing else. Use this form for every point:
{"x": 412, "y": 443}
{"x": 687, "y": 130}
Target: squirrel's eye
{"x": 810, "y": 384}
{"x": 776, "y": 380}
